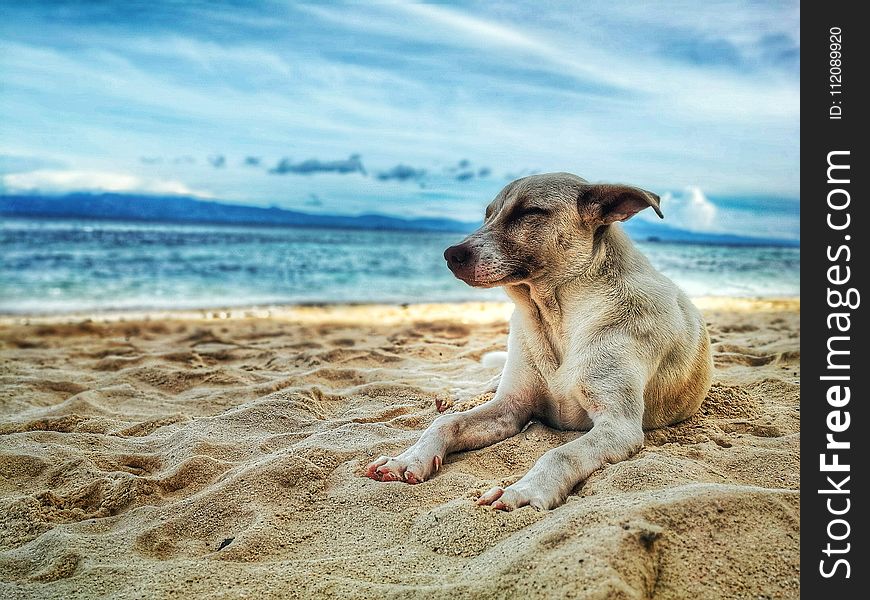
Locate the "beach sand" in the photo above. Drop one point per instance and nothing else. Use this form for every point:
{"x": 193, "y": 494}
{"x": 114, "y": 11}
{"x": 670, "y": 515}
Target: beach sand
{"x": 174, "y": 455}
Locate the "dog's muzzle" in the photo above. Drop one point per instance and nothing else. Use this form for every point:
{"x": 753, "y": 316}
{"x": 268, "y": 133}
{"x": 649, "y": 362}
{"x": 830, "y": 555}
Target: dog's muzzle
{"x": 461, "y": 260}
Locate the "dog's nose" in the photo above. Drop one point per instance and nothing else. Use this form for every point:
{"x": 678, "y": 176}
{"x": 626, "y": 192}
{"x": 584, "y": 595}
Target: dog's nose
{"x": 457, "y": 255}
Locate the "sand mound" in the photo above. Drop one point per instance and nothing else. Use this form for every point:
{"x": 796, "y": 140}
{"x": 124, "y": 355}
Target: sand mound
{"x": 184, "y": 456}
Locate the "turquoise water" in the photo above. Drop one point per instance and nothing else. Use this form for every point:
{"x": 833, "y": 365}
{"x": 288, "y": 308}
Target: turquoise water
{"x": 58, "y": 266}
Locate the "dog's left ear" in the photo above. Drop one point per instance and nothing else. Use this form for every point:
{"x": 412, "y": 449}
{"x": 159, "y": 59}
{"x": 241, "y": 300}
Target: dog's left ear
{"x": 603, "y": 204}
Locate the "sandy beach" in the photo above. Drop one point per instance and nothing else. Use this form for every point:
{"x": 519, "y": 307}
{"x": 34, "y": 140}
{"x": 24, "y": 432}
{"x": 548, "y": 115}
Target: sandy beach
{"x": 220, "y": 455}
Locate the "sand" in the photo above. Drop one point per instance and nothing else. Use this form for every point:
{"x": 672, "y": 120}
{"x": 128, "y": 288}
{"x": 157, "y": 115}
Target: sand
{"x": 220, "y": 455}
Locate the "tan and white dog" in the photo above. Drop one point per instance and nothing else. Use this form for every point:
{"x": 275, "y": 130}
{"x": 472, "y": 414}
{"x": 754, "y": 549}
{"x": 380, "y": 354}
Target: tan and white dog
{"x": 599, "y": 339}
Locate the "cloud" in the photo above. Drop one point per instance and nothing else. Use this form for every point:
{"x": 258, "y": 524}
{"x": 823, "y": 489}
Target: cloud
{"x": 690, "y": 210}
{"x": 778, "y": 48}
{"x": 218, "y": 161}
{"x": 150, "y": 160}
{"x": 54, "y": 182}
{"x": 464, "y": 171}
{"x": 252, "y": 161}
{"x": 482, "y": 32}
{"x": 402, "y": 173}
{"x": 352, "y": 164}
{"x": 461, "y": 165}
{"x": 314, "y": 200}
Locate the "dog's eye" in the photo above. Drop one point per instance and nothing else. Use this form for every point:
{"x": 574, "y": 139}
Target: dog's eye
{"x": 533, "y": 210}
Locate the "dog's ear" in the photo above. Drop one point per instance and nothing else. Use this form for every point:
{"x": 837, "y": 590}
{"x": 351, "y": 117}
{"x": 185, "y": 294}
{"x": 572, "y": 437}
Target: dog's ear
{"x": 606, "y": 203}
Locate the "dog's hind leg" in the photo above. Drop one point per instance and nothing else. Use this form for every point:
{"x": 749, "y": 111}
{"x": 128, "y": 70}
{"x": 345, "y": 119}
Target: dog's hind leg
{"x": 492, "y": 360}
{"x": 468, "y": 393}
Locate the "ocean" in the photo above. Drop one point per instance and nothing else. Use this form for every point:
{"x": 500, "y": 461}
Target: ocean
{"x": 52, "y": 266}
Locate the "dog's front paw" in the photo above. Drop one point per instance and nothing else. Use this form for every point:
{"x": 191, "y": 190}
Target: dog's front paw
{"x": 409, "y": 467}
{"x": 520, "y": 494}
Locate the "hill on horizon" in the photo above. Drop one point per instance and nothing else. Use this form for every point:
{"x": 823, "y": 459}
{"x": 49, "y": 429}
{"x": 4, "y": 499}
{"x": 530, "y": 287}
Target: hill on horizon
{"x": 182, "y": 209}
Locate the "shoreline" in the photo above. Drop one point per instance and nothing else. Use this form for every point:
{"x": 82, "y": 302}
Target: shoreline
{"x": 344, "y": 311}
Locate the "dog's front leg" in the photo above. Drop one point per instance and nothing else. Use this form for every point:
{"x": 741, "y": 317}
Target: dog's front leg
{"x": 503, "y": 416}
{"x": 616, "y": 434}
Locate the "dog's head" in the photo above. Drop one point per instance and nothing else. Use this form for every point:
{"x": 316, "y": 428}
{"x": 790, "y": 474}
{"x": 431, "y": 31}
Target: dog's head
{"x": 542, "y": 227}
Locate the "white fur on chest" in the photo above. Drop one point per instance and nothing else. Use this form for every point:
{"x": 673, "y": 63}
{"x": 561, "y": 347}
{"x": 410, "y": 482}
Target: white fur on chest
{"x": 557, "y": 362}
{"x": 549, "y": 347}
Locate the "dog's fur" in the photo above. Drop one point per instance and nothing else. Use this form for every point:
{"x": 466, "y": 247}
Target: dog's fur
{"x": 599, "y": 340}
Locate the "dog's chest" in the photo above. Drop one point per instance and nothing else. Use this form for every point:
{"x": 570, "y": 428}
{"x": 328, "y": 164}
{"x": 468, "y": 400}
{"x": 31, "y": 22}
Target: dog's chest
{"x": 545, "y": 349}
{"x": 565, "y": 404}
{"x": 550, "y": 345}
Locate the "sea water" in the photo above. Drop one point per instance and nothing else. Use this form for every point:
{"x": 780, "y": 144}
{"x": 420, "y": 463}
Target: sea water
{"x": 67, "y": 265}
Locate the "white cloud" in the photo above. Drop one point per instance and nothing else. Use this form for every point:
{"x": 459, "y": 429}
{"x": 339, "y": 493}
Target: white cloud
{"x": 480, "y": 31}
{"x": 46, "y": 181}
{"x": 690, "y": 210}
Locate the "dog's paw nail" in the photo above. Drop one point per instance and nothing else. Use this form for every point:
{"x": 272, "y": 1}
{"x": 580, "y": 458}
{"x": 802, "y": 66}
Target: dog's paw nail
{"x": 490, "y": 496}
{"x": 436, "y": 463}
{"x": 373, "y": 467}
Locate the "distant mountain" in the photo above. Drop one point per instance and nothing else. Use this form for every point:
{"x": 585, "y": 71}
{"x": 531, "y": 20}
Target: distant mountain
{"x": 179, "y": 209}
{"x": 647, "y": 231}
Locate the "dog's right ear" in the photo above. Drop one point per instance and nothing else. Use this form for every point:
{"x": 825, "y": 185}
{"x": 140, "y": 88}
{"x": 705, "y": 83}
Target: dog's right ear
{"x": 602, "y": 204}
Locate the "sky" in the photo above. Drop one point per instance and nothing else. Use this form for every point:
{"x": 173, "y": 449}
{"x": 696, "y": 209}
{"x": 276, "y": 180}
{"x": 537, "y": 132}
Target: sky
{"x": 407, "y": 109}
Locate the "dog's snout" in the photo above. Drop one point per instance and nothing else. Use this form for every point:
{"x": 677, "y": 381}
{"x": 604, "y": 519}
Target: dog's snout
{"x": 458, "y": 255}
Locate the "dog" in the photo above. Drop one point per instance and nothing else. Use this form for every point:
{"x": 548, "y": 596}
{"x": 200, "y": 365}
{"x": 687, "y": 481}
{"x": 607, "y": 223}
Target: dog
{"x": 599, "y": 340}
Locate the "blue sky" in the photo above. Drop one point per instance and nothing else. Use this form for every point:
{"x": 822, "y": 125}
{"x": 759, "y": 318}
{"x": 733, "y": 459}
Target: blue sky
{"x": 408, "y": 109}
